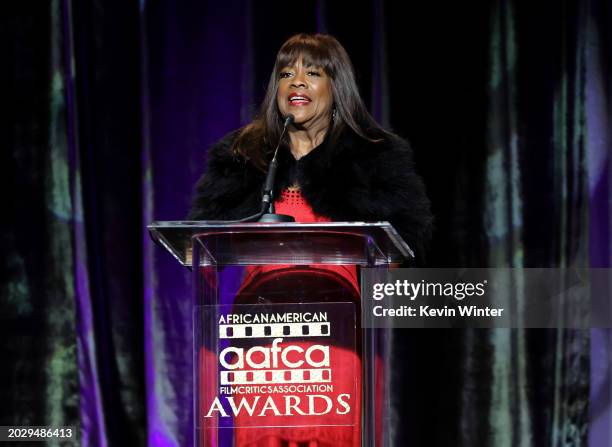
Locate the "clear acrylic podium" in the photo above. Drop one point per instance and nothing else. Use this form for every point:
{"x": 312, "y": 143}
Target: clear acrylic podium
{"x": 280, "y": 358}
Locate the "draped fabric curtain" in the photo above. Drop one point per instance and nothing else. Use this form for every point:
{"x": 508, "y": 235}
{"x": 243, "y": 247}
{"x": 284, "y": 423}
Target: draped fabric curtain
{"x": 112, "y": 106}
{"x": 39, "y": 374}
{"x": 71, "y": 296}
{"x": 536, "y": 212}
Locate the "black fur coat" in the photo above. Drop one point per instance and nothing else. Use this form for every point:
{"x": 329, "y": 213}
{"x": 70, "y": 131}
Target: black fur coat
{"x": 352, "y": 180}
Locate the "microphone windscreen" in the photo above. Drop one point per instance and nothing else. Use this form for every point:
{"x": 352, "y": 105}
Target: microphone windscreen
{"x": 289, "y": 119}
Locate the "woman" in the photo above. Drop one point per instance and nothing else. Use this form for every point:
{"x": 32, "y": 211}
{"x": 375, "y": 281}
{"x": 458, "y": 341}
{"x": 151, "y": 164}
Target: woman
{"x": 335, "y": 157}
{"x": 335, "y": 163}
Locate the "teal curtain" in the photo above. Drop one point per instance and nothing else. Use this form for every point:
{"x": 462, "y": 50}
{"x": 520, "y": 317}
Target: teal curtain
{"x": 71, "y": 293}
{"x": 38, "y": 340}
{"x": 527, "y": 153}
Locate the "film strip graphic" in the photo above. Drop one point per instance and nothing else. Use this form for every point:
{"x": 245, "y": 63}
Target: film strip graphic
{"x": 274, "y": 330}
{"x": 275, "y": 376}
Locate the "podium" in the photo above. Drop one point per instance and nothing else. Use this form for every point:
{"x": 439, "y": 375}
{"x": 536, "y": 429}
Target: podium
{"x": 279, "y": 354}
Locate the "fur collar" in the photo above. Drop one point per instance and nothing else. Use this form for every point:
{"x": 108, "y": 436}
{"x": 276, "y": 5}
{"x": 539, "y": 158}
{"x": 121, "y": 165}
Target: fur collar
{"x": 351, "y": 180}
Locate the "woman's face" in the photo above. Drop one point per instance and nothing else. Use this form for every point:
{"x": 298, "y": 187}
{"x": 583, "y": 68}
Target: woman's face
{"x": 306, "y": 92}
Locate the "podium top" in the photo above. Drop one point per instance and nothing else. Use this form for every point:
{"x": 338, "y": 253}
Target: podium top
{"x": 361, "y": 243}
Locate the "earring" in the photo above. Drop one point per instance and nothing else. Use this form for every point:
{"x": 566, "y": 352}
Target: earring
{"x": 334, "y": 115}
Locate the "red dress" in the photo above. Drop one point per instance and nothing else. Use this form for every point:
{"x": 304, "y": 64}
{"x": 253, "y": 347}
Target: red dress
{"x": 293, "y": 203}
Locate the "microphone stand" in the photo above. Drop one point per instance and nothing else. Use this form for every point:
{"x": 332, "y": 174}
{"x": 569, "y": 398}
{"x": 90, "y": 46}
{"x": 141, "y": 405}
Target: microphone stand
{"x": 268, "y": 213}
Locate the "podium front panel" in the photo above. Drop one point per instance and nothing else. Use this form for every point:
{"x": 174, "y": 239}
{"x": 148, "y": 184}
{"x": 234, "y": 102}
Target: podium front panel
{"x": 279, "y": 355}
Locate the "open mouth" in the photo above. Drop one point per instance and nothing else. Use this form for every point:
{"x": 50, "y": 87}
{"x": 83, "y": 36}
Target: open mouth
{"x": 296, "y": 99}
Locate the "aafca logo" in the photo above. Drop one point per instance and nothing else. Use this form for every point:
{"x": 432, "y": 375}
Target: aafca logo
{"x": 286, "y": 363}
{"x": 285, "y": 374}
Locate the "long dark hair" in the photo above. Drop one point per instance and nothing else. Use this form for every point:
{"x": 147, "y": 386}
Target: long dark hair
{"x": 255, "y": 141}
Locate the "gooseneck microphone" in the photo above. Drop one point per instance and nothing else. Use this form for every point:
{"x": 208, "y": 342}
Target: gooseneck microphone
{"x": 266, "y": 213}
{"x": 267, "y": 202}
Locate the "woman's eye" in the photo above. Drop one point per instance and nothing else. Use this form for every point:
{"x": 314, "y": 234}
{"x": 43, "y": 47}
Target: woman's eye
{"x": 314, "y": 73}
{"x": 285, "y": 74}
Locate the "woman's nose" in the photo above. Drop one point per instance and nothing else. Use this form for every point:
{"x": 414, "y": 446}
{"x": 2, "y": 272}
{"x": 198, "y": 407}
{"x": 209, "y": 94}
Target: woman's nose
{"x": 299, "y": 80}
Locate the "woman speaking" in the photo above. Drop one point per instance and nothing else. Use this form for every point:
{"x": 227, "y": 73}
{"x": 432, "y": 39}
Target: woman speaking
{"x": 335, "y": 163}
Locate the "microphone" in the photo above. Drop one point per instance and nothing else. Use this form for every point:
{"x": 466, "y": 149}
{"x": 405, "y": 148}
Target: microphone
{"x": 289, "y": 119}
{"x": 267, "y": 203}
{"x": 266, "y": 213}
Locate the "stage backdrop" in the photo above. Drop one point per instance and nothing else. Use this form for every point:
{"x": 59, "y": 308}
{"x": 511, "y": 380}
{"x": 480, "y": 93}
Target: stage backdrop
{"x": 112, "y": 106}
